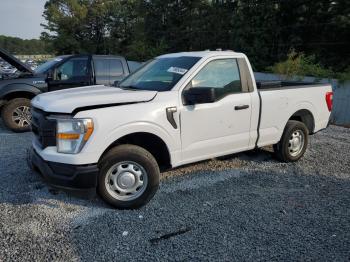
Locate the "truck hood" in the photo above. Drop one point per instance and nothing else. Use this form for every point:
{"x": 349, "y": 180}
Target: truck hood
{"x": 15, "y": 62}
{"x": 89, "y": 97}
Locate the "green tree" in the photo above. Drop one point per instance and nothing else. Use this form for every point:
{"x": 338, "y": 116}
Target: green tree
{"x": 78, "y": 26}
{"x": 19, "y": 46}
{"x": 264, "y": 30}
{"x": 256, "y": 31}
{"x": 317, "y": 27}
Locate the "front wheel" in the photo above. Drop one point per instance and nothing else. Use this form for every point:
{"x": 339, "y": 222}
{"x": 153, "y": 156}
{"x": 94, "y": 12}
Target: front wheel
{"x": 128, "y": 177}
{"x": 16, "y": 115}
{"x": 293, "y": 143}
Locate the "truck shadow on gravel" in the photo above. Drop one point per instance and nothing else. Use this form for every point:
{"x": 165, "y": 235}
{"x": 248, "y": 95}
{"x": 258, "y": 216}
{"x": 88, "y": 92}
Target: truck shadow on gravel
{"x": 32, "y": 189}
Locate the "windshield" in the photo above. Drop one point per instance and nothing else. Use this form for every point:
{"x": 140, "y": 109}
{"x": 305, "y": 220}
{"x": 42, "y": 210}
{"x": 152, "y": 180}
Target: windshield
{"x": 43, "y": 68}
{"x": 160, "y": 74}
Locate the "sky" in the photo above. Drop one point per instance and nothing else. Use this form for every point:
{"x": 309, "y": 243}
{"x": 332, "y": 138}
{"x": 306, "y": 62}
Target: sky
{"x": 21, "y": 18}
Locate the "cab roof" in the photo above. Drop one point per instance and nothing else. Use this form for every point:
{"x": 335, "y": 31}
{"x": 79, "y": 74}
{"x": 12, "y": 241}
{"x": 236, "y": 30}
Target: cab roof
{"x": 206, "y": 53}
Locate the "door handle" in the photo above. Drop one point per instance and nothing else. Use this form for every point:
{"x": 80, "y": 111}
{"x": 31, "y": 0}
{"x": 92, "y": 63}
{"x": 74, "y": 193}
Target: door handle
{"x": 241, "y": 107}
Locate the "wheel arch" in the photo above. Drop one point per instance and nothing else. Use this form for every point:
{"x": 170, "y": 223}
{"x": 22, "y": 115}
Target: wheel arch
{"x": 18, "y": 91}
{"x": 149, "y": 141}
{"x": 19, "y": 94}
{"x": 306, "y": 117}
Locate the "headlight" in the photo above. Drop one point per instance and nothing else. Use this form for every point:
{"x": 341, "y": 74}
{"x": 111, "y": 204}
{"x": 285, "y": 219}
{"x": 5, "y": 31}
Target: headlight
{"x": 72, "y": 134}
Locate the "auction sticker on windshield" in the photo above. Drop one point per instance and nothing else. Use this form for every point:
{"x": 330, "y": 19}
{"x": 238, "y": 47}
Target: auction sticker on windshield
{"x": 177, "y": 70}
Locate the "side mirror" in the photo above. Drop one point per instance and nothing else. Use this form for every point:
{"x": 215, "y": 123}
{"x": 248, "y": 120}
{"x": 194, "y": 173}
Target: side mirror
{"x": 199, "y": 95}
{"x": 49, "y": 76}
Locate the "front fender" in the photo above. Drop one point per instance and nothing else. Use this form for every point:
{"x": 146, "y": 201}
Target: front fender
{"x": 15, "y": 88}
{"x": 103, "y": 139}
{"x": 144, "y": 127}
{"x": 100, "y": 141}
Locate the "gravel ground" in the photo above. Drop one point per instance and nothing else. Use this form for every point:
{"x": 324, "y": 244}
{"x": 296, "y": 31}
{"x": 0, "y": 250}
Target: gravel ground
{"x": 243, "y": 207}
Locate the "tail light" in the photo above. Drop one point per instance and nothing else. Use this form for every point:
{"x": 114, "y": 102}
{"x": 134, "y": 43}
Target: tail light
{"x": 329, "y": 100}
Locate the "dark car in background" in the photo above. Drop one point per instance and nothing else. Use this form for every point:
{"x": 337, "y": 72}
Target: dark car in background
{"x": 62, "y": 72}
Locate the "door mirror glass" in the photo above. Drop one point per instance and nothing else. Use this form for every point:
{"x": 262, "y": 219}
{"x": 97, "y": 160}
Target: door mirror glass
{"x": 199, "y": 95}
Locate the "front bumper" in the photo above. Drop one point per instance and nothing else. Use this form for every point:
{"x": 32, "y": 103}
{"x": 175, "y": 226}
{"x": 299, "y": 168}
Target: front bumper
{"x": 80, "y": 177}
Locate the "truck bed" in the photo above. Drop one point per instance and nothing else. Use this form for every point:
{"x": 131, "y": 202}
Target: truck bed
{"x": 280, "y": 100}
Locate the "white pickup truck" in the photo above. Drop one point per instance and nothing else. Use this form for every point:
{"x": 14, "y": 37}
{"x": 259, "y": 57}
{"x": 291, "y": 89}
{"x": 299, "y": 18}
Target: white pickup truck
{"x": 177, "y": 109}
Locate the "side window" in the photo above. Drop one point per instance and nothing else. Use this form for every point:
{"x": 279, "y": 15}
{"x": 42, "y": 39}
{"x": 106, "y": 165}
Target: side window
{"x": 116, "y": 68}
{"x": 101, "y": 67}
{"x": 221, "y": 74}
{"x": 73, "y": 69}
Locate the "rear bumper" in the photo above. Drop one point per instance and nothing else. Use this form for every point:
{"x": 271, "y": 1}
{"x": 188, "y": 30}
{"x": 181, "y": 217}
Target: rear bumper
{"x": 76, "y": 177}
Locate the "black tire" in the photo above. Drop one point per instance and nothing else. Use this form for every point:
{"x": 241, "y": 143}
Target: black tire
{"x": 131, "y": 154}
{"x": 283, "y": 150}
{"x": 9, "y": 112}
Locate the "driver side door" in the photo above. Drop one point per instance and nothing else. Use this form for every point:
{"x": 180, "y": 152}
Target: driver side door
{"x": 222, "y": 126}
{"x": 74, "y": 72}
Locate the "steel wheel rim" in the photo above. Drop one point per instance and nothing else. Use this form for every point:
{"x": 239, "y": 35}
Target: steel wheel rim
{"x": 21, "y": 116}
{"x": 296, "y": 143}
{"x": 126, "y": 180}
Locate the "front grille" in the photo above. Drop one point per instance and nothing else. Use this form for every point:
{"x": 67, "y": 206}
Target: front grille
{"x": 44, "y": 129}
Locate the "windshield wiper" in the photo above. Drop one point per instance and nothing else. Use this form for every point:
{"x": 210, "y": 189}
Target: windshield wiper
{"x": 129, "y": 87}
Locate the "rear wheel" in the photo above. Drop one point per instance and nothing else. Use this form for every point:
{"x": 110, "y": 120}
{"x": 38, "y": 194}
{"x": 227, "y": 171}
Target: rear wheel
{"x": 16, "y": 115}
{"x": 293, "y": 143}
{"x": 129, "y": 177}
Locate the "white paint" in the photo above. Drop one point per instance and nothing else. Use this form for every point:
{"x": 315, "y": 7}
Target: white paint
{"x": 66, "y": 100}
{"x": 204, "y": 131}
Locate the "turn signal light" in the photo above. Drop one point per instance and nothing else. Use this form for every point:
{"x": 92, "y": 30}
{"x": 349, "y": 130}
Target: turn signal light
{"x": 89, "y": 130}
{"x": 67, "y": 136}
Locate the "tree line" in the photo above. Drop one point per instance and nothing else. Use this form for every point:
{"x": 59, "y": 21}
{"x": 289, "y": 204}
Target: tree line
{"x": 20, "y": 46}
{"x": 266, "y": 30}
